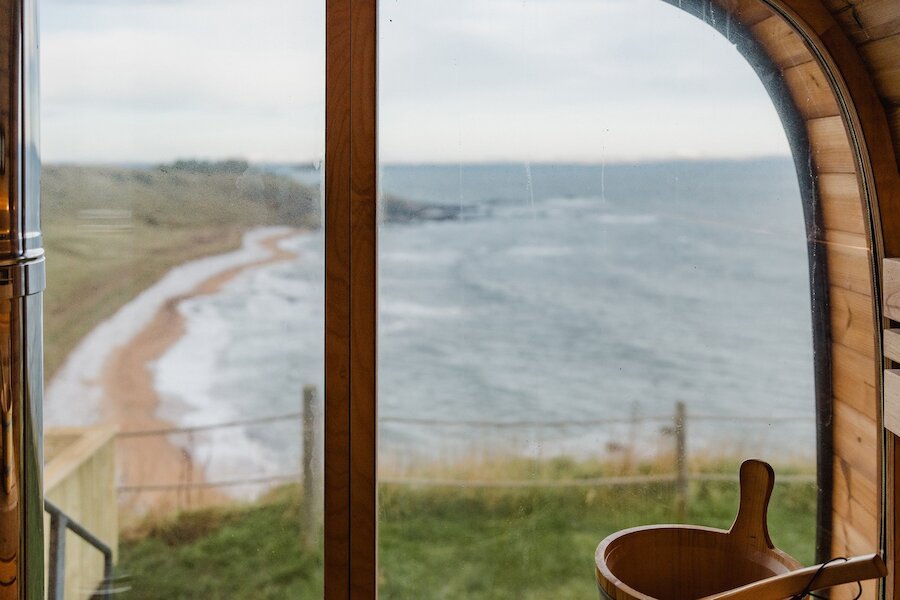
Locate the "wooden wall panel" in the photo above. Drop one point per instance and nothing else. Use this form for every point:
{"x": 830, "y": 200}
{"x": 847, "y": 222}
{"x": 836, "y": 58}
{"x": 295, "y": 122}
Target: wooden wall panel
{"x": 781, "y": 43}
{"x": 856, "y": 499}
{"x": 850, "y": 540}
{"x": 841, "y": 202}
{"x": 850, "y": 386}
{"x": 851, "y": 591}
{"x": 892, "y": 344}
{"x": 850, "y": 509}
{"x": 856, "y": 439}
{"x": 811, "y": 90}
{"x": 852, "y": 321}
{"x": 850, "y": 242}
{"x": 891, "y": 289}
{"x": 892, "y": 400}
{"x": 852, "y": 487}
{"x": 849, "y": 268}
{"x": 830, "y": 147}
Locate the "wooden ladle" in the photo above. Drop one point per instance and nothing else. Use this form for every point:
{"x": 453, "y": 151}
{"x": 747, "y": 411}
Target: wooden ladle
{"x": 810, "y": 579}
{"x": 681, "y": 562}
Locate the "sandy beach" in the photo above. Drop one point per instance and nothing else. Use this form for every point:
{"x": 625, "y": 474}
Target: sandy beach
{"x": 120, "y": 380}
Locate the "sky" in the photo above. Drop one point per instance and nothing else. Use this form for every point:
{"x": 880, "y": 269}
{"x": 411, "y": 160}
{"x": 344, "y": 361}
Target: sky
{"x": 459, "y": 81}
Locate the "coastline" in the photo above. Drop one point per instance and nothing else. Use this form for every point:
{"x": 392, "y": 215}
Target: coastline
{"x": 110, "y": 371}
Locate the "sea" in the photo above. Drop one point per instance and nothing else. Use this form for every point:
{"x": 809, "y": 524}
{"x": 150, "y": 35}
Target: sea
{"x": 542, "y": 310}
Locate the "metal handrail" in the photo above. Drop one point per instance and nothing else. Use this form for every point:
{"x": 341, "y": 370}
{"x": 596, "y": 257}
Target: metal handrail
{"x": 59, "y": 523}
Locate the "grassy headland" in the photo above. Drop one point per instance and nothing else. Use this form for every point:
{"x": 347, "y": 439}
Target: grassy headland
{"x": 435, "y": 542}
{"x": 111, "y": 232}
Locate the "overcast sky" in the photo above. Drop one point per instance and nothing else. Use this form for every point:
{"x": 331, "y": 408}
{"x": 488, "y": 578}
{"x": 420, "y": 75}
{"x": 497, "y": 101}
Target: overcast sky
{"x": 460, "y": 80}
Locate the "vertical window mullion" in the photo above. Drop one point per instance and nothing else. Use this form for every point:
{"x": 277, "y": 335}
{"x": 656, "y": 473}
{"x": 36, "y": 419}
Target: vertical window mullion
{"x": 350, "y": 300}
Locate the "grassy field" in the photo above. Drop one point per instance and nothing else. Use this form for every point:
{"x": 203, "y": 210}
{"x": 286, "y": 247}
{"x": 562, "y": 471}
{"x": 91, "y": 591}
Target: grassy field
{"x": 111, "y": 232}
{"x": 435, "y": 543}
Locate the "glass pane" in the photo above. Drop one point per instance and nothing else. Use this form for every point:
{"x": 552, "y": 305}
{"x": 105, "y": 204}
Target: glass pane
{"x": 183, "y": 146}
{"x": 594, "y": 292}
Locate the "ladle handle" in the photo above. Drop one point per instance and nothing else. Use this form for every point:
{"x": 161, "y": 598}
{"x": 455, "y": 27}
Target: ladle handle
{"x": 786, "y": 585}
{"x": 750, "y": 525}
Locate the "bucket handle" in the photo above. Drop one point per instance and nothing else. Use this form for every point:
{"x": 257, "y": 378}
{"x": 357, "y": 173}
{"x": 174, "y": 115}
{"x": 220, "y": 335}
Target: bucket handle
{"x": 750, "y": 525}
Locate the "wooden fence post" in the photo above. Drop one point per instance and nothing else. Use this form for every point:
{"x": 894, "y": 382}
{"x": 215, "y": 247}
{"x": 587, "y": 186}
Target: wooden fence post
{"x": 310, "y": 443}
{"x": 681, "y": 481}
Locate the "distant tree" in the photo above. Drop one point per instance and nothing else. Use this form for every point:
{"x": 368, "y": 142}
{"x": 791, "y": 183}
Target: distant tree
{"x": 231, "y": 165}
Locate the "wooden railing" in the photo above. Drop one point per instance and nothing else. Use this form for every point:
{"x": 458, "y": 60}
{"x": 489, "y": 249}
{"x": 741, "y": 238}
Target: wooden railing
{"x": 79, "y": 479}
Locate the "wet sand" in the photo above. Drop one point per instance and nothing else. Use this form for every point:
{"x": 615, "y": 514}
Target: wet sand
{"x": 130, "y": 402}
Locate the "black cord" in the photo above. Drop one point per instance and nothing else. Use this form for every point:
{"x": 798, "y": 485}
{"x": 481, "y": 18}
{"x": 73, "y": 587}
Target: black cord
{"x": 812, "y": 582}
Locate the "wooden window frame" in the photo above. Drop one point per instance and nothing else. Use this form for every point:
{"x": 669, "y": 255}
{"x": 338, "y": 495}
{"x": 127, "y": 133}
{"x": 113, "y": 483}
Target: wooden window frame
{"x": 351, "y": 230}
{"x": 351, "y": 233}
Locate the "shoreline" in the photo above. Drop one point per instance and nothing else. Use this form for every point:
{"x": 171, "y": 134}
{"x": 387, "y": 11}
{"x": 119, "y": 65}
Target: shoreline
{"x": 112, "y": 367}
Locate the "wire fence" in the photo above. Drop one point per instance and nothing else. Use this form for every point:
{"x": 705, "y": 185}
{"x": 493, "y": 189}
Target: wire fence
{"x": 672, "y": 426}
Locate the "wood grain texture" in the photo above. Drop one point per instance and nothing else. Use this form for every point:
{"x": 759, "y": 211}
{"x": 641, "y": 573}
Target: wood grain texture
{"x": 854, "y": 488}
{"x": 337, "y": 301}
{"x": 81, "y": 480}
{"x": 850, "y": 268}
{"x": 853, "y": 542}
{"x": 781, "y": 42}
{"x": 842, "y": 203}
{"x": 851, "y": 242}
{"x": 852, "y": 320}
{"x": 853, "y": 511}
{"x": 890, "y": 285}
{"x": 830, "y": 148}
{"x": 892, "y": 344}
{"x": 854, "y": 380}
{"x": 748, "y": 12}
{"x": 892, "y": 521}
{"x": 892, "y": 400}
{"x": 811, "y": 91}
{"x": 868, "y": 119}
{"x": 868, "y": 20}
{"x": 681, "y": 562}
{"x": 363, "y": 300}
{"x": 880, "y": 56}
{"x": 850, "y": 591}
{"x": 857, "y": 439}
{"x": 825, "y": 575}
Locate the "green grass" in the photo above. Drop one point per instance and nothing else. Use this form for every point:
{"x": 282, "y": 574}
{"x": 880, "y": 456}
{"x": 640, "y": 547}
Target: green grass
{"x": 163, "y": 217}
{"x": 435, "y": 542}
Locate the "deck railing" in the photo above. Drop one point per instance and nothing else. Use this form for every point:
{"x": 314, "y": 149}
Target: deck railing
{"x": 60, "y": 522}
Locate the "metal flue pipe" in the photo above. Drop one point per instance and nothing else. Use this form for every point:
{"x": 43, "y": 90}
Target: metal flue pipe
{"x": 21, "y": 286}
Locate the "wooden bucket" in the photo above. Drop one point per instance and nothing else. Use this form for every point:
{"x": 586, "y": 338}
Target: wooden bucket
{"x": 681, "y": 562}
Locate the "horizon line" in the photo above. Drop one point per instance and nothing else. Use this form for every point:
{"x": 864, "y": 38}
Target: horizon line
{"x": 428, "y": 163}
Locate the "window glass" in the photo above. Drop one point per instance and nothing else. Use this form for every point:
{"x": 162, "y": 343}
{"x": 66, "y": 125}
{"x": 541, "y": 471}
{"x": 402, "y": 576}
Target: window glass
{"x": 594, "y": 292}
{"x": 183, "y": 146}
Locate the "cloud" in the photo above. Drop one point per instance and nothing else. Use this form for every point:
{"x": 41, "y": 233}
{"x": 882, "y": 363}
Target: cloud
{"x": 460, "y": 80}
{"x": 576, "y": 80}
{"x": 157, "y": 80}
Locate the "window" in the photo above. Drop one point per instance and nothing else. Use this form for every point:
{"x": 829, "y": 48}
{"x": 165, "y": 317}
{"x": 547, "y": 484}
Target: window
{"x": 594, "y": 292}
{"x": 253, "y": 161}
{"x": 183, "y": 148}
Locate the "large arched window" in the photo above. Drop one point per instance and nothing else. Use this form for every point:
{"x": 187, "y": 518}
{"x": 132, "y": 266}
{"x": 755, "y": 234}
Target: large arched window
{"x": 833, "y": 165}
{"x": 564, "y": 292}
{"x": 611, "y": 299}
